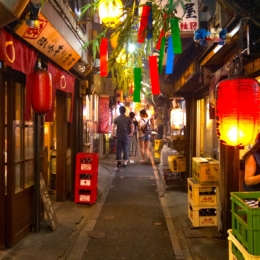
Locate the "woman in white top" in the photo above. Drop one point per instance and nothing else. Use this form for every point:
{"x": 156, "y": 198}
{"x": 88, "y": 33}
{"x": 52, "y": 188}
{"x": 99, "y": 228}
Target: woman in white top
{"x": 144, "y": 139}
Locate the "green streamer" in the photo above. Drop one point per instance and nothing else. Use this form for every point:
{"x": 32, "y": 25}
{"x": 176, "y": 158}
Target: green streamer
{"x": 137, "y": 82}
{"x": 176, "y": 38}
{"x": 160, "y": 67}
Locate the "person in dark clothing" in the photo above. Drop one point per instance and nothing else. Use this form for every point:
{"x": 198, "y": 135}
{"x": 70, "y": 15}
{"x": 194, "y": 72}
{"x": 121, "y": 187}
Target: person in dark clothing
{"x": 123, "y": 129}
{"x": 252, "y": 167}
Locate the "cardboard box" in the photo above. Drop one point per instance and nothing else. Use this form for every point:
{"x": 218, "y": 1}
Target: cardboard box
{"x": 177, "y": 163}
{"x": 205, "y": 170}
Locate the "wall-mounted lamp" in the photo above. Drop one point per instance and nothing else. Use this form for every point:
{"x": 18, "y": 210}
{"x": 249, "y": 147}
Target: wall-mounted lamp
{"x": 33, "y": 22}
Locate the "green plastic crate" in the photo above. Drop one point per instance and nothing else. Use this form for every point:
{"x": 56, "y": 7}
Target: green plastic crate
{"x": 246, "y": 221}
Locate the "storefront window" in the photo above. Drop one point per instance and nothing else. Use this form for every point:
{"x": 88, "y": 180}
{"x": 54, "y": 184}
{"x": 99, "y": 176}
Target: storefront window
{"x": 23, "y": 141}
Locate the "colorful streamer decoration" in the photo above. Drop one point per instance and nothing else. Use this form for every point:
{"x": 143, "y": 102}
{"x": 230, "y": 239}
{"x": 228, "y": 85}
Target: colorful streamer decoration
{"x": 161, "y": 55}
{"x": 170, "y": 57}
{"x": 154, "y": 75}
{"x": 162, "y": 34}
{"x": 150, "y": 23}
{"x": 104, "y": 57}
{"x": 143, "y": 23}
{"x": 176, "y": 35}
{"x": 137, "y": 84}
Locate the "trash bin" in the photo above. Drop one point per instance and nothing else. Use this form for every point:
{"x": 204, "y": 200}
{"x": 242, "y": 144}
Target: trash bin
{"x": 53, "y": 170}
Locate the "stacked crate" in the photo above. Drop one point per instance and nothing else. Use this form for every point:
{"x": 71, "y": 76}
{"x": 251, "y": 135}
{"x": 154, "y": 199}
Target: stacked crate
{"x": 202, "y": 203}
{"x": 203, "y": 192}
{"x": 86, "y": 179}
{"x": 245, "y": 234}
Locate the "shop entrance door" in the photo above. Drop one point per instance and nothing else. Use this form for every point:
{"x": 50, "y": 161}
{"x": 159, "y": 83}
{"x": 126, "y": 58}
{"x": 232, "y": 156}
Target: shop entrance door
{"x": 20, "y": 162}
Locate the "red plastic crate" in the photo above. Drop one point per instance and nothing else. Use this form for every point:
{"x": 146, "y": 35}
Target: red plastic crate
{"x": 86, "y": 179}
{"x": 88, "y": 196}
{"x": 87, "y": 162}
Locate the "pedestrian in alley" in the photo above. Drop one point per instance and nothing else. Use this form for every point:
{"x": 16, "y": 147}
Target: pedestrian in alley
{"x": 144, "y": 136}
{"x": 252, "y": 167}
{"x": 122, "y": 130}
{"x": 133, "y": 148}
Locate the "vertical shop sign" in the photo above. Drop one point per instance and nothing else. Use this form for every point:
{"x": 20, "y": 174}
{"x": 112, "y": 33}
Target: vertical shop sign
{"x": 103, "y": 118}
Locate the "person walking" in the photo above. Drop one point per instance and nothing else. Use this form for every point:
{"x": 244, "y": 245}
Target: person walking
{"x": 133, "y": 148}
{"x": 144, "y": 138}
{"x": 123, "y": 129}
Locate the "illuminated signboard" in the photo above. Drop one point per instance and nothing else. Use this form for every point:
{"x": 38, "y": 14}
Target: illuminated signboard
{"x": 50, "y": 42}
{"x": 189, "y": 15}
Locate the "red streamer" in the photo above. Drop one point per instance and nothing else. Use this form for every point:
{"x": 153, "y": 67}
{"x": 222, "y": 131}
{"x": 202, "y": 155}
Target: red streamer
{"x": 154, "y": 75}
{"x": 104, "y": 57}
{"x": 143, "y": 23}
{"x": 162, "y": 34}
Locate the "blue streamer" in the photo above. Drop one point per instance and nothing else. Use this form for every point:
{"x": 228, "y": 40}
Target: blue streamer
{"x": 170, "y": 57}
{"x": 150, "y": 24}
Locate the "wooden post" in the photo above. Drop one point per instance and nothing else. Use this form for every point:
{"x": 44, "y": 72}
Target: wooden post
{"x": 229, "y": 182}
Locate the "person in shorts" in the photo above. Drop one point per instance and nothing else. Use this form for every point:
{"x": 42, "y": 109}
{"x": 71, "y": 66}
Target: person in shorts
{"x": 144, "y": 139}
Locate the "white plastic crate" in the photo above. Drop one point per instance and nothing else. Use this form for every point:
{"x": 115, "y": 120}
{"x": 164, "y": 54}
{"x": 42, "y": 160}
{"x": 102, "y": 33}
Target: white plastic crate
{"x": 202, "y": 221}
{"x": 240, "y": 253}
{"x": 202, "y": 195}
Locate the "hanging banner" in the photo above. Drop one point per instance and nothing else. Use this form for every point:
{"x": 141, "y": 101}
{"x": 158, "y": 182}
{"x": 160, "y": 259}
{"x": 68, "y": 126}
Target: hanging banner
{"x": 103, "y": 116}
{"x": 16, "y": 54}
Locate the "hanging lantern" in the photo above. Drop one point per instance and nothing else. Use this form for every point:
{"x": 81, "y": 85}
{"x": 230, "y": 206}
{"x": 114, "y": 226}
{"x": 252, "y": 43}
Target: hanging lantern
{"x": 110, "y": 12}
{"x": 42, "y": 91}
{"x": 237, "y": 110}
{"x": 177, "y": 119}
{"x": 114, "y": 40}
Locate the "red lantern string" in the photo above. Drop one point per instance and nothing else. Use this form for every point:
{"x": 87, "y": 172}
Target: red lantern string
{"x": 104, "y": 57}
{"x": 237, "y": 110}
{"x": 154, "y": 75}
{"x": 143, "y": 23}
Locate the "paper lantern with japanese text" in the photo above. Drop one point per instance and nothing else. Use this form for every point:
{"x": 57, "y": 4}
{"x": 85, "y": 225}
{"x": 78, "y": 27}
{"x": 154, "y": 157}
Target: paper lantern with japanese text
{"x": 237, "y": 110}
{"x": 41, "y": 91}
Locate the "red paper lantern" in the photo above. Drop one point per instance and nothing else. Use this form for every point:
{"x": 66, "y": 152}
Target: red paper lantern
{"x": 42, "y": 91}
{"x": 237, "y": 110}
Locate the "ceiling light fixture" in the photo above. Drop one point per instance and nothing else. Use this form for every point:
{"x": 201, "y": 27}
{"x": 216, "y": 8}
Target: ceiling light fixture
{"x": 33, "y": 22}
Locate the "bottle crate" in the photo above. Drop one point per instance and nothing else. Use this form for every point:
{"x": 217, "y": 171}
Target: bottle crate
{"x": 203, "y": 216}
{"x": 87, "y": 162}
{"x": 202, "y": 195}
{"x": 236, "y": 251}
{"x": 246, "y": 221}
{"x": 86, "y": 179}
{"x": 88, "y": 196}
